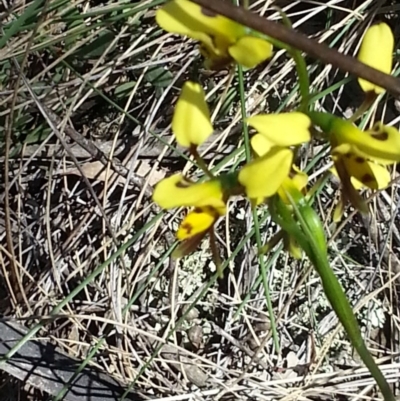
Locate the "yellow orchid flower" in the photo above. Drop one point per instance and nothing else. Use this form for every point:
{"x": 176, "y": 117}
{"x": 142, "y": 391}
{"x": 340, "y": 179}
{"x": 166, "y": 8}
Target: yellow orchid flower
{"x": 209, "y": 203}
{"x": 358, "y": 155}
{"x": 222, "y": 40}
{"x": 376, "y": 51}
{"x": 264, "y": 176}
{"x": 191, "y": 123}
{"x": 176, "y": 191}
{"x": 381, "y": 143}
{"x": 363, "y": 173}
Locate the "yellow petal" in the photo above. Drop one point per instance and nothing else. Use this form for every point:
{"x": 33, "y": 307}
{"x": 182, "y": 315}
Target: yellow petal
{"x": 338, "y": 211}
{"x": 349, "y": 193}
{"x": 300, "y": 178}
{"x": 382, "y": 143}
{"x": 292, "y": 246}
{"x": 187, "y": 18}
{"x": 390, "y": 136}
{"x": 197, "y": 221}
{"x": 283, "y": 129}
{"x": 376, "y": 51}
{"x": 191, "y": 122}
{"x": 364, "y": 172}
{"x": 262, "y": 177}
{"x": 250, "y": 51}
{"x": 260, "y": 144}
{"x": 297, "y": 181}
{"x": 177, "y": 191}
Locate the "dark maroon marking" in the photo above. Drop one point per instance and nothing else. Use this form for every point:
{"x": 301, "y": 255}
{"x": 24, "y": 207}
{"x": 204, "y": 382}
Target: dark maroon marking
{"x": 213, "y": 40}
{"x": 348, "y": 155}
{"x": 367, "y": 178}
{"x": 187, "y": 227}
{"x": 359, "y": 159}
{"x": 380, "y": 136}
{"x": 182, "y": 184}
{"x": 207, "y": 12}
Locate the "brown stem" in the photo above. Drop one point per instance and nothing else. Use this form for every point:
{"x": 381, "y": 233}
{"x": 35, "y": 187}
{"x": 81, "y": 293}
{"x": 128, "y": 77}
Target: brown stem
{"x": 319, "y": 51}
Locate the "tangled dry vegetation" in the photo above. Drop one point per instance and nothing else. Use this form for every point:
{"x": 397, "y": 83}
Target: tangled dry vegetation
{"x": 87, "y": 90}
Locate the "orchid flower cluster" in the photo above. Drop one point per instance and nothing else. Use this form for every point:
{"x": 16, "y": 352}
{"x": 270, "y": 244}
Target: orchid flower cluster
{"x": 360, "y": 157}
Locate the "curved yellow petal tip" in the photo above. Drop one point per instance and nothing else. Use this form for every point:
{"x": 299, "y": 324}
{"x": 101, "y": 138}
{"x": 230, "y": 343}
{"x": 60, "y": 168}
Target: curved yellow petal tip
{"x": 260, "y": 144}
{"x": 293, "y": 247}
{"x": 170, "y": 16}
{"x": 381, "y": 143}
{"x": 250, "y": 51}
{"x": 262, "y": 177}
{"x": 283, "y": 129}
{"x": 177, "y": 191}
{"x": 196, "y": 222}
{"x": 191, "y": 122}
{"x": 296, "y": 181}
{"x": 376, "y": 51}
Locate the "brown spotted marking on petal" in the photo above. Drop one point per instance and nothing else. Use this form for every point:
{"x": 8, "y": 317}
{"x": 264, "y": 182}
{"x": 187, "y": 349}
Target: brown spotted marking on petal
{"x": 359, "y": 159}
{"x": 207, "y": 12}
{"x": 348, "y": 155}
{"x": 213, "y": 40}
{"x": 183, "y": 184}
{"x": 380, "y": 135}
{"x": 367, "y": 178}
{"x": 187, "y": 227}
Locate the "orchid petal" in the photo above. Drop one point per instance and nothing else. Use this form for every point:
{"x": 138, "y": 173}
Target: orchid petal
{"x": 283, "y": 129}
{"x": 191, "y": 122}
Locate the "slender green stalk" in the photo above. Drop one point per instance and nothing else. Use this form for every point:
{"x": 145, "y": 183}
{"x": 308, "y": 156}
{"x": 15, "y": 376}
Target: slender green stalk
{"x": 304, "y": 81}
{"x": 244, "y": 113}
{"x": 200, "y": 162}
{"x": 337, "y": 297}
{"x": 309, "y": 233}
{"x": 301, "y": 68}
{"x": 255, "y": 217}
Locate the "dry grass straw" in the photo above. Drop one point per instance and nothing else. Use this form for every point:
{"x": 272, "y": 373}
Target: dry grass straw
{"x": 63, "y": 226}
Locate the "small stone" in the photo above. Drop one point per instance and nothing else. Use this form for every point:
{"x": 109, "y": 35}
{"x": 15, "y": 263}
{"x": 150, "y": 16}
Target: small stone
{"x": 195, "y": 335}
{"x": 191, "y": 315}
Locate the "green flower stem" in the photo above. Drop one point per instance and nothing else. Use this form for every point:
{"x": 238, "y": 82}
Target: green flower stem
{"x": 244, "y": 113}
{"x": 255, "y": 217}
{"x": 304, "y": 81}
{"x": 200, "y": 162}
{"x": 301, "y": 68}
{"x": 309, "y": 233}
{"x": 265, "y": 282}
